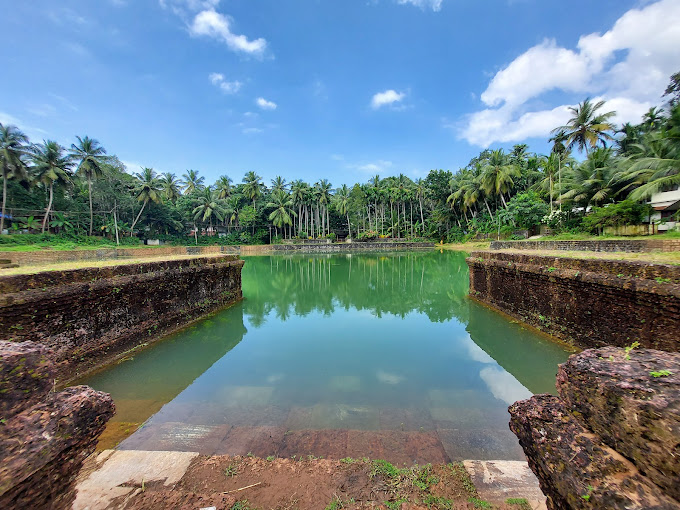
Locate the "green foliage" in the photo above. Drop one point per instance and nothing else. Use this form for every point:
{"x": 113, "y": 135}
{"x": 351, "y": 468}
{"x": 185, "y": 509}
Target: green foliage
{"x": 524, "y": 210}
{"x": 384, "y": 469}
{"x": 396, "y": 504}
{"x": 335, "y": 504}
{"x": 521, "y": 503}
{"x": 660, "y": 373}
{"x": 630, "y": 349}
{"x": 626, "y": 212}
{"x": 437, "y": 502}
{"x": 241, "y": 505}
{"x": 479, "y": 503}
{"x": 85, "y": 190}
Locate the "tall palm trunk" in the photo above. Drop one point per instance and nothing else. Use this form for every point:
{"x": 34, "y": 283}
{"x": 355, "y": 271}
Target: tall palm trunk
{"x": 422, "y": 219}
{"x": 4, "y": 199}
{"x": 349, "y": 227}
{"x": 137, "y": 218}
{"x": 89, "y": 192}
{"x": 488, "y": 208}
{"x": 49, "y": 206}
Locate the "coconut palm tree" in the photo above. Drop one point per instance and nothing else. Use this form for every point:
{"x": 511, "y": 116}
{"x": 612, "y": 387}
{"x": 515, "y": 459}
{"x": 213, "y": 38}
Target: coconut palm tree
{"x": 90, "y": 156}
{"x": 252, "y": 189}
{"x": 324, "y": 198}
{"x": 148, "y": 189}
{"x": 653, "y": 118}
{"x": 170, "y": 186}
{"x": 13, "y": 146}
{"x": 655, "y": 167}
{"x": 298, "y": 191}
{"x": 550, "y": 167}
{"x": 341, "y": 200}
{"x": 283, "y": 212}
{"x": 497, "y": 175}
{"x": 50, "y": 165}
{"x": 223, "y": 187}
{"x": 209, "y": 206}
{"x": 587, "y": 128}
{"x": 421, "y": 192}
{"x": 279, "y": 183}
{"x": 191, "y": 181}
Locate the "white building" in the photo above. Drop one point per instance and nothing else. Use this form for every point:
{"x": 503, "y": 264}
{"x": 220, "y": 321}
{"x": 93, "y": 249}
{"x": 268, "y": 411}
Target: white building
{"x": 666, "y": 205}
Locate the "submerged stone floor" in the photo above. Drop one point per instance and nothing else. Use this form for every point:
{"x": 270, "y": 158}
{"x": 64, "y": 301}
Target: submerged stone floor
{"x": 156, "y": 479}
{"x": 400, "y": 436}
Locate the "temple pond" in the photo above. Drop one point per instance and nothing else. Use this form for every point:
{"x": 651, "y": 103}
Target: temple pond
{"x": 377, "y": 355}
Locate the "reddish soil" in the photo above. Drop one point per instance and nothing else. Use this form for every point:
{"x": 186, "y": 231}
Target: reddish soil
{"x": 310, "y": 483}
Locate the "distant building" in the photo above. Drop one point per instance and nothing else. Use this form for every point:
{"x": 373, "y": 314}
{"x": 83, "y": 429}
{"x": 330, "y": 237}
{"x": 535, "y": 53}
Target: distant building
{"x": 666, "y": 206}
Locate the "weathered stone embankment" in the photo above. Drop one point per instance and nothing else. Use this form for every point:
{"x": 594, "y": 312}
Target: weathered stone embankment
{"x": 45, "y": 436}
{"x": 333, "y": 247}
{"x": 37, "y": 257}
{"x": 607, "y": 245}
{"x": 612, "y": 437}
{"x": 88, "y": 317}
{"x": 589, "y": 302}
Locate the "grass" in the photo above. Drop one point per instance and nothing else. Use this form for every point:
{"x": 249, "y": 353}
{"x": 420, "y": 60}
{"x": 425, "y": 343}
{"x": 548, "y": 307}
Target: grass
{"x": 82, "y": 264}
{"x": 658, "y": 257}
{"x": 520, "y": 503}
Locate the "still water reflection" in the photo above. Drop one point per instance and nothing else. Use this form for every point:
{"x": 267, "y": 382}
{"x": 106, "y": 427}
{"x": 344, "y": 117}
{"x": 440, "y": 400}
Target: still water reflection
{"x": 378, "y": 355}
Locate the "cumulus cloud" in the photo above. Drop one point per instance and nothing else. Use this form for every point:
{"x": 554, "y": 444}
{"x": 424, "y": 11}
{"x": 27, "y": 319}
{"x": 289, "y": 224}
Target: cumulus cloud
{"x": 503, "y": 385}
{"x": 210, "y": 23}
{"x": 228, "y": 87}
{"x": 180, "y": 7}
{"x": 264, "y": 104}
{"x": 628, "y": 66}
{"x": 203, "y": 20}
{"x": 373, "y": 167}
{"x": 386, "y": 98}
{"x": 435, "y": 5}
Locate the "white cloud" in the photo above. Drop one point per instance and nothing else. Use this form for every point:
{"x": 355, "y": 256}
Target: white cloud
{"x": 181, "y": 6}
{"x": 435, "y": 5}
{"x": 7, "y": 119}
{"x": 628, "y": 66}
{"x": 228, "y": 87}
{"x": 373, "y": 167}
{"x": 503, "y": 385}
{"x": 264, "y": 104}
{"x": 388, "y": 97}
{"x": 210, "y": 23}
{"x": 252, "y": 131}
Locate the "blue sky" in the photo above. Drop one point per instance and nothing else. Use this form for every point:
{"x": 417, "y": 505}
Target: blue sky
{"x": 340, "y": 89}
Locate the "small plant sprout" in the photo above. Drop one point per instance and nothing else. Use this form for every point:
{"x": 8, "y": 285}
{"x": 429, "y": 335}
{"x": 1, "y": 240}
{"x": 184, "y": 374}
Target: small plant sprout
{"x": 586, "y": 496}
{"x": 632, "y": 346}
{"x": 231, "y": 470}
{"x": 660, "y": 373}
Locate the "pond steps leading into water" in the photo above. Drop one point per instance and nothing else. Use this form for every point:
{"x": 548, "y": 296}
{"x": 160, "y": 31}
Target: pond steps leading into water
{"x": 122, "y": 474}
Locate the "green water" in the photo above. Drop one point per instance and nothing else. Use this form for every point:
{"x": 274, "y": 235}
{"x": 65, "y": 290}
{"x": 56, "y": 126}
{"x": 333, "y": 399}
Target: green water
{"x": 332, "y": 354}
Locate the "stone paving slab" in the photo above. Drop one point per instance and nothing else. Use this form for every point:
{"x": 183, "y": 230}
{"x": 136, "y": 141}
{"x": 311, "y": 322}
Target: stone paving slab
{"x": 121, "y": 473}
{"x": 498, "y": 480}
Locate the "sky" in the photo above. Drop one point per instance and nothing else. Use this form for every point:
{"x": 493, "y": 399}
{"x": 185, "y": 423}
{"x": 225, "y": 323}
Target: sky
{"x": 335, "y": 89}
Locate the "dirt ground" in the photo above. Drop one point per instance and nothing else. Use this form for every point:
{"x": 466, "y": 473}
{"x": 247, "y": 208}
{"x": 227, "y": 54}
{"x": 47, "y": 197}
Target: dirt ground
{"x": 249, "y": 483}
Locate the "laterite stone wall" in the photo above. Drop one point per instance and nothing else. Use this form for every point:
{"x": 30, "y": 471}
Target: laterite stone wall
{"x": 590, "y": 303}
{"x": 609, "y": 245}
{"x": 88, "y": 317}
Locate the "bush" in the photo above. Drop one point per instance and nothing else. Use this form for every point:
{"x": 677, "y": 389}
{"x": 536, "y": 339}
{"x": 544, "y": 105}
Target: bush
{"x": 525, "y": 210}
{"x": 63, "y": 241}
{"x": 368, "y": 235}
{"x": 626, "y": 212}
